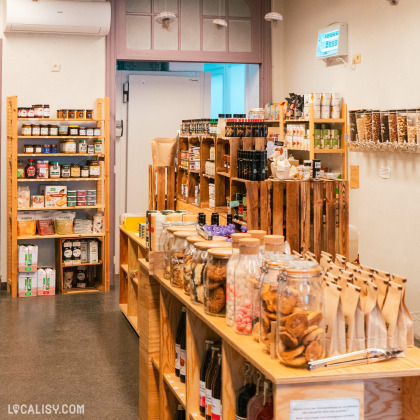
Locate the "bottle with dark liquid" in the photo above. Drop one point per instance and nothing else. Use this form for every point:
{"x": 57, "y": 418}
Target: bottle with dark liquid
{"x": 245, "y": 394}
{"x": 229, "y": 218}
{"x": 181, "y": 328}
{"x": 216, "y": 391}
{"x": 209, "y": 379}
{"x": 267, "y": 410}
{"x": 257, "y": 401}
{"x": 180, "y": 413}
{"x": 203, "y": 371}
{"x": 215, "y": 219}
{"x": 183, "y": 354}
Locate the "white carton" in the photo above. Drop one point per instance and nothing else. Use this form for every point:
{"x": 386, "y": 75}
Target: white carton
{"x": 93, "y": 251}
{"x": 55, "y": 195}
{"x": 84, "y": 251}
{"x": 32, "y": 262}
{"x": 46, "y": 283}
{"x": 41, "y": 279}
{"x": 22, "y": 257}
{"x": 27, "y": 284}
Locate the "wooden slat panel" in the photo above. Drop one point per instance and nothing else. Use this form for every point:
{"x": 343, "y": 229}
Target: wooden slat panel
{"x": 160, "y": 187}
{"x": 152, "y": 192}
{"x": 170, "y": 188}
{"x": 247, "y": 143}
{"x": 411, "y": 398}
{"x": 260, "y": 143}
{"x": 317, "y": 187}
{"x": 343, "y": 217}
{"x": 383, "y": 399}
{"x": 252, "y": 204}
{"x": 278, "y": 203}
{"x": 265, "y": 224}
{"x": 292, "y": 214}
{"x": 305, "y": 216}
{"x": 234, "y": 145}
{"x": 330, "y": 201}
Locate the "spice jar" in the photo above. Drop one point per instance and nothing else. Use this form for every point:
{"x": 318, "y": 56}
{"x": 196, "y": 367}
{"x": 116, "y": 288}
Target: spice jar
{"x": 188, "y": 254}
{"x": 26, "y": 130}
{"x": 230, "y": 277}
{"x": 392, "y": 119}
{"x": 36, "y": 130}
{"x": 198, "y": 265}
{"x": 215, "y": 281}
{"x": 177, "y": 258}
{"x": 42, "y": 168}
{"x": 247, "y": 274}
{"x": 98, "y": 146}
{"x": 65, "y": 171}
{"x": 94, "y": 169}
{"x": 44, "y": 130}
{"x": 89, "y": 114}
{"x": 82, "y": 131}
{"x": 53, "y": 130}
{"x": 73, "y": 130}
{"x": 63, "y": 130}
{"x": 71, "y": 114}
{"x": 273, "y": 246}
{"x": 38, "y": 148}
{"x": 75, "y": 170}
{"x": 30, "y": 112}
{"x": 84, "y": 171}
{"x": 46, "y": 111}
{"x": 54, "y": 170}
{"x": 39, "y": 111}
{"x": 82, "y": 146}
{"x": 80, "y": 114}
{"x": 402, "y": 126}
{"x": 300, "y": 339}
{"x": 68, "y": 146}
{"x": 28, "y": 148}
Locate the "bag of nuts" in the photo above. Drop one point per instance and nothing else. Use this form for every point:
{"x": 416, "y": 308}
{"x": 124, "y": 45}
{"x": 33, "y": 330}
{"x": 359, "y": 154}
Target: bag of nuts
{"x": 375, "y": 329}
{"x": 382, "y": 289}
{"x": 354, "y": 318}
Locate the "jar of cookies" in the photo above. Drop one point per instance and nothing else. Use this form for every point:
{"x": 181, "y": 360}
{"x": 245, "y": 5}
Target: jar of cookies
{"x": 273, "y": 246}
{"x": 198, "y": 265}
{"x": 177, "y": 258}
{"x": 188, "y": 255}
{"x": 215, "y": 281}
{"x": 300, "y": 333}
{"x": 247, "y": 274}
{"x": 230, "y": 277}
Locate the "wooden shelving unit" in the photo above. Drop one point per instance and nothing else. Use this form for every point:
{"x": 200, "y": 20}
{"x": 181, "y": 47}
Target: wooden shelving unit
{"x": 15, "y": 142}
{"x": 385, "y": 390}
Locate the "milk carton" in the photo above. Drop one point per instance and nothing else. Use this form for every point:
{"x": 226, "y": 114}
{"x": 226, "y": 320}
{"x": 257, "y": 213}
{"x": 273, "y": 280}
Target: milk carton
{"x": 27, "y": 258}
{"x": 27, "y": 284}
{"x": 93, "y": 251}
{"x": 46, "y": 282}
{"x": 22, "y": 257}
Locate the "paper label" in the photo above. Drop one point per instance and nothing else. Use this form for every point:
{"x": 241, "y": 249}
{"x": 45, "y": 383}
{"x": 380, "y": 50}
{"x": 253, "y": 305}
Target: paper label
{"x": 177, "y": 350}
{"x": 337, "y": 408}
{"x": 202, "y": 394}
{"x": 182, "y": 362}
{"x": 216, "y": 409}
{"x": 208, "y": 402}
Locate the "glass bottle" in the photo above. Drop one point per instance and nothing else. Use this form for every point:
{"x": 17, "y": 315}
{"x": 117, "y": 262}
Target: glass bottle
{"x": 177, "y": 257}
{"x": 267, "y": 410}
{"x": 216, "y": 391}
{"x": 188, "y": 255}
{"x": 203, "y": 371}
{"x": 230, "y": 276}
{"x": 257, "y": 401}
{"x": 180, "y": 413}
{"x": 21, "y": 173}
{"x": 245, "y": 394}
{"x": 215, "y": 281}
{"x": 259, "y": 234}
{"x": 179, "y": 333}
{"x": 300, "y": 338}
{"x": 273, "y": 246}
{"x": 247, "y": 274}
{"x": 209, "y": 379}
{"x": 183, "y": 353}
{"x": 30, "y": 169}
{"x": 184, "y": 185}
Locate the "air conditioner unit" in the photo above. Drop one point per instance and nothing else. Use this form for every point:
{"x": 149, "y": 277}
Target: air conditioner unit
{"x": 58, "y": 17}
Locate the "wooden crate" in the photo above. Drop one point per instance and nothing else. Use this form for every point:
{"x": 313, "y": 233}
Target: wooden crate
{"x": 162, "y": 187}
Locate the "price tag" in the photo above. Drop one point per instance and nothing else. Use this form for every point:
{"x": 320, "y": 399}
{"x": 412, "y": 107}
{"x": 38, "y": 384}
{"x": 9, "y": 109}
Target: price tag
{"x": 337, "y": 409}
{"x": 171, "y": 382}
{"x": 175, "y": 387}
{"x": 234, "y": 204}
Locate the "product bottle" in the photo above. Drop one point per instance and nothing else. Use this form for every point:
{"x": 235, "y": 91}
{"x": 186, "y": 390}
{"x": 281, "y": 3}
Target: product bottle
{"x": 245, "y": 394}
{"x": 184, "y": 185}
{"x": 257, "y": 401}
{"x": 216, "y": 391}
{"x": 30, "y": 169}
{"x": 267, "y": 411}
{"x": 180, "y": 413}
{"x": 183, "y": 352}
{"x": 229, "y": 219}
{"x": 179, "y": 332}
{"x": 215, "y": 219}
{"x": 203, "y": 371}
{"x": 209, "y": 379}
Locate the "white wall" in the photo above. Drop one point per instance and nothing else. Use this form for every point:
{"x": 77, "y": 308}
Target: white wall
{"x": 386, "y": 212}
{"x": 26, "y": 73}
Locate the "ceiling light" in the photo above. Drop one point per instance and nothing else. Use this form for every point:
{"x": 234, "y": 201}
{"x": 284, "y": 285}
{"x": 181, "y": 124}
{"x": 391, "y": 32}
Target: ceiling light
{"x": 273, "y": 17}
{"x": 220, "y": 23}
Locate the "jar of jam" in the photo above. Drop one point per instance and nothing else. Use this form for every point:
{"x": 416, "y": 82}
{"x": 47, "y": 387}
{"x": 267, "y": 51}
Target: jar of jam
{"x": 97, "y": 132}
{"x": 59, "y": 113}
{"x": 73, "y": 130}
{"x": 53, "y": 130}
{"x": 39, "y": 111}
{"x": 44, "y": 130}
{"x": 63, "y": 130}
{"x": 94, "y": 169}
{"x": 46, "y": 111}
{"x": 54, "y": 148}
{"x": 98, "y": 146}
{"x": 65, "y": 171}
{"x": 82, "y": 146}
{"x": 55, "y": 170}
{"x": 68, "y": 146}
{"x": 22, "y": 113}
{"x": 28, "y": 148}
{"x": 84, "y": 171}
{"x": 38, "y": 148}
{"x": 26, "y": 130}
{"x": 91, "y": 149}
{"x": 30, "y": 112}
{"x": 72, "y": 114}
{"x": 36, "y": 130}
{"x": 74, "y": 170}
{"x": 30, "y": 170}
{"x": 80, "y": 114}
{"x": 89, "y": 114}
{"x": 64, "y": 113}
{"x": 46, "y": 148}
{"x": 89, "y": 131}
{"x": 42, "y": 168}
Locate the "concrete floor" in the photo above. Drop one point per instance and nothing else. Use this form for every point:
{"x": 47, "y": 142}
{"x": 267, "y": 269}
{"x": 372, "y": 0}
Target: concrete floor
{"x": 68, "y": 349}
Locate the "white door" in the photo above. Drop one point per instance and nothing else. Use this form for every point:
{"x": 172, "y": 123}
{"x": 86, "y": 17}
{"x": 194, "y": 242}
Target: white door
{"x": 157, "y": 104}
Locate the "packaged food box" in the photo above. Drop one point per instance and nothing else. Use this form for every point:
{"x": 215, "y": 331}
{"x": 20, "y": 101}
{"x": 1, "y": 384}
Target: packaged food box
{"x": 37, "y": 201}
{"x": 27, "y": 284}
{"x": 28, "y": 258}
{"x": 93, "y": 251}
{"x": 49, "y": 288}
{"x": 84, "y": 251}
{"x": 55, "y": 195}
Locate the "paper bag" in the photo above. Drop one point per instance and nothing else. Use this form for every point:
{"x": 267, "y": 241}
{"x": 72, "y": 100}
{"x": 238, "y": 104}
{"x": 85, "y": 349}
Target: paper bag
{"x": 375, "y": 329}
{"x": 367, "y": 275}
{"x": 163, "y": 151}
{"x": 340, "y": 260}
{"x": 366, "y": 268}
{"x": 325, "y": 262}
{"x": 408, "y": 320}
{"x": 362, "y": 283}
{"x": 354, "y": 319}
{"x": 382, "y": 289}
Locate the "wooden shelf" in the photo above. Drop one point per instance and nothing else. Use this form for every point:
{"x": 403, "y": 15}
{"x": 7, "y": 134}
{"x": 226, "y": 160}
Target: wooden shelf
{"x": 242, "y": 180}
{"x": 194, "y": 171}
{"x": 130, "y": 318}
{"x": 100, "y": 206}
{"x": 239, "y": 222}
{"x": 80, "y": 290}
{"x": 73, "y": 235}
{"x": 59, "y": 137}
{"x": 328, "y": 151}
{"x": 155, "y": 363}
{"x": 177, "y": 387}
{"x": 330, "y": 120}
{"x": 59, "y": 154}
{"x": 272, "y": 121}
{"x": 81, "y": 264}
{"x": 208, "y": 176}
{"x": 81, "y": 120}
{"x": 60, "y": 179}
{"x": 226, "y": 174}
{"x": 124, "y": 268}
{"x": 135, "y": 280}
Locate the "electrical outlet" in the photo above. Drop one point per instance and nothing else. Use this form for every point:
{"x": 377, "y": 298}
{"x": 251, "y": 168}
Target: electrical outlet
{"x": 357, "y": 58}
{"x": 55, "y": 67}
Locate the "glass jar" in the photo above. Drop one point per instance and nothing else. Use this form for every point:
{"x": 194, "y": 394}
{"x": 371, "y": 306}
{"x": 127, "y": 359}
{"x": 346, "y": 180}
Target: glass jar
{"x": 75, "y": 170}
{"x": 82, "y": 131}
{"x": 68, "y": 146}
{"x": 20, "y": 169}
{"x": 300, "y": 336}
{"x": 39, "y": 111}
{"x": 89, "y": 131}
{"x": 65, "y": 171}
{"x": 411, "y": 126}
{"x": 36, "y": 129}
{"x": 94, "y": 169}
{"x": 402, "y": 126}
{"x": 55, "y": 170}
{"x": 84, "y": 171}
{"x": 71, "y": 114}
{"x": 368, "y": 125}
{"x": 376, "y": 126}
{"x": 353, "y": 126}
{"x": 273, "y": 246}
{"x": 80, "y": 114}
{"x": 97, "y": 132}
{"x": 360, "y": 122}
{"x": 31, "y": 112}
{"x": 38, "y": 148}
{"x": 44, "y": 130}
{"x": 26, "y": 130}
{"x": 392, "y": 119}
{"x": 46, "y": 148}
{"x": 64, "y": 113}
{"x": 215, "y": 281}
{"x": 82, "y": 146}
{"x": 230, "y": 277}
{"x": 177, "y": 258}
{"x": 53, "y": 130}
{"x": 259, "y": 234}
{"x": 418, "y": 124}
{"x": 73, "y": 130}
{"x": 198, "y": 265}
{"x": 247, "y": 274}
{"x": 28, "y": 148}
{"x": 384, "y": 127}
{"x": 188, "y": 254}
{"x": 46, "y": 111}
{"x": 89, "y": 114}
{"x": 54, "y": 148}
{"x": 98, "y": 146}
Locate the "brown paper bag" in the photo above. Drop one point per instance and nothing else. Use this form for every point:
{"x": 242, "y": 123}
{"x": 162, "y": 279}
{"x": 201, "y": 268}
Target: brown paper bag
{"x": 362, "y": 283}
{"x": 383, "y": 274}
{"x": 309, "y": 255}
{"x": 328, "y": 278}
{"x": 365, "y": 274}
{"x": 296, "y": 254}
{"x": 335, "y": 329}
{"x": 408, "y": 320}
{"x": 347, "y": 274}
{"x": 354, "y": 319}
{"x": 393, "y": 314}
{"x": 327, "y": 254}
{"x": 342, "y": 282}
{"x": 351, "y": 267}
{"x": 382, "y": 289}
{"x": 163, "y": 151}
{"x": 334, "y": 270}
{"x": 366, "y": 268}
{"x": 375, "y": 329}
{"x": 340, "y": 260}
{"x": 325, "y": 262}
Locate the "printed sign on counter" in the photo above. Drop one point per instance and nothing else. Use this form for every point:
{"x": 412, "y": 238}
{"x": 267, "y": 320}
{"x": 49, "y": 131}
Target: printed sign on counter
{"x": 337, "y": 409}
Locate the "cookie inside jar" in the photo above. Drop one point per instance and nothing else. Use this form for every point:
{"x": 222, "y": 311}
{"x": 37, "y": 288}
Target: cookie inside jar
{"x": 177, "y": 258}
{"x": 215, "y": 281}
{"x": 300, "y": 332}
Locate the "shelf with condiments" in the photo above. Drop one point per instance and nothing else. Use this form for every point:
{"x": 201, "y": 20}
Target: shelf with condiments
{"x": 62, "y": 119}
{"x": 70, "y": 235}
{"x": 73, "y": 208}
{"x": 59, "y": 179}
{"x": 60, "y": 137}
{"x": 60, "y": 154}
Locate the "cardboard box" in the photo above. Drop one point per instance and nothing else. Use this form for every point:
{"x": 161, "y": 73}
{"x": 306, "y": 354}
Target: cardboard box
{"x": 27, "y": 284}
{"x": 93, "y": 251}
{"x": 55, "y": 195}
{"x": 131, "y": 221}
{"x": 46, "y": 282}
{"x": 84, "y": 251}
{"x": 27, "y": 258}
